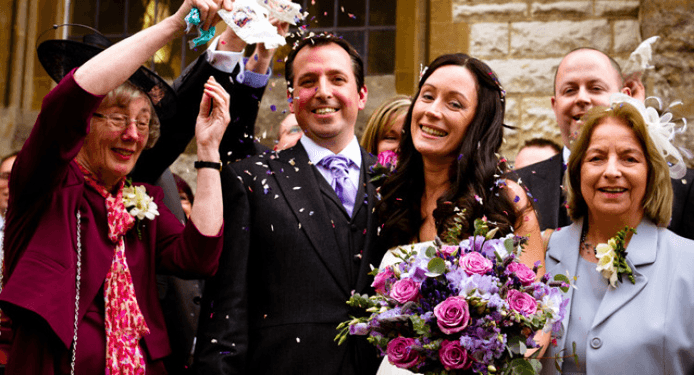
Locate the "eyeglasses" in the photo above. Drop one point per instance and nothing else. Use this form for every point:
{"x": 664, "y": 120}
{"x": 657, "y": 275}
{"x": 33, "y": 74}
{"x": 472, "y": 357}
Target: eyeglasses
{"x": 5, "y": 176}
{"x": 120, "y": 121}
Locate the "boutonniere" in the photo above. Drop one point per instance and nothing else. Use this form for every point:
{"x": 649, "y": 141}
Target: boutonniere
{"x": 387, "y": 161}
{"x": 138, "y": 204}
{"x": 612, "y": 258}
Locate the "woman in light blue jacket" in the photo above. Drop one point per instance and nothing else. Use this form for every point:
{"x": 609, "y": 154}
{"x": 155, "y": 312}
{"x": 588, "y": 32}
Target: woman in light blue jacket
{"x": 618, "y": 178}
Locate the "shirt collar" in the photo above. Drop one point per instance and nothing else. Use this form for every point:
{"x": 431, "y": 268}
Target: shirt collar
{"x": 565, "y": 154}
{"x": 316, "y": 153}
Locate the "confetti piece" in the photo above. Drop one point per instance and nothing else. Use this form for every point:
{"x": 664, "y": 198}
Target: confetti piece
{"x": 516, "y": 199}
{"x": 298, "y": 340}
{"x": 273, "y": 108}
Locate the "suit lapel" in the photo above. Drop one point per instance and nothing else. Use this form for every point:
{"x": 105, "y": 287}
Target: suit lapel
{"x": 562, "y": 258}
{"x": 640, "y": 251}
{"x": 303, "y": 195}
{"x": 368, "y": 190}
{"x": 544, "y": 179}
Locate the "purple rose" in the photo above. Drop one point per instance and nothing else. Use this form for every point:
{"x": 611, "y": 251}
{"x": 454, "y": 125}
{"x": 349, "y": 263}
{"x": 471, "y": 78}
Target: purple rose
{"x": 401, "y": 352}
{"x": 453, "y": 356}
{"x": 521, "y": 302}
{"x": 475, "y": 262}
{"x": 452, "y": 315}
{"x": 405, "y": 290}
{"x": 448, "y": 250}
{"x": 388, "y": 157}
{"x": 380, "y": 280}
{"x": 524, "y": 274}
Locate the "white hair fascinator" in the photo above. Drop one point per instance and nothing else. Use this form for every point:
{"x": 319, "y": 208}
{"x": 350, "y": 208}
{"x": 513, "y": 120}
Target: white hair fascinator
{"x": 661, "y": 129}
{"x": 640, "y": 60}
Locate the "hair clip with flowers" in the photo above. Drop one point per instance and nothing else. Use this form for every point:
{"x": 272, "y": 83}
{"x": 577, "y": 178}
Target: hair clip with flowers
{"x": 661, "y": 130}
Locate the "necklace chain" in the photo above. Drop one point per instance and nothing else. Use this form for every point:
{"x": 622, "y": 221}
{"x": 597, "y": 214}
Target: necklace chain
{"x": 587, "y": 246}
{"x": 78, "y": 283}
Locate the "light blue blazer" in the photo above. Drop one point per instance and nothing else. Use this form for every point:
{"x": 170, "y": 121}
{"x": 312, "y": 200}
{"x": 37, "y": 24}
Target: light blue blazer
{"x": 642, "y": 328}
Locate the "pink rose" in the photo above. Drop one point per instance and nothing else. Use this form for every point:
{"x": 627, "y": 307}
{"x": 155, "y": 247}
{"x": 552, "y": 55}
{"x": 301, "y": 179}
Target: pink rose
{"x": 380, "y": 280}
{"x": 521, "y": 302}
{"x": 524, "y": 274}
{"x": 448, "y": 250}
{"x": 388, "y": 157}
{"x": 405, "y": 290}
{"x": 475, "y": 262}
{"x": 452, "y": 315}
{"x": 401, "y": 352}
{"x": 453, "y": 356}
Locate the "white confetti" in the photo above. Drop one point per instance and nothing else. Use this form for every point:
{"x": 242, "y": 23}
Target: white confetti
{"x": 298, "y": 340}
{"x": 296, "y": 187}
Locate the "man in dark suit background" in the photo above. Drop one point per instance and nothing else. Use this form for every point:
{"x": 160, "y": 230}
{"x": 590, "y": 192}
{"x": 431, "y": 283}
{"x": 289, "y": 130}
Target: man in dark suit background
{"x": 584, "y": 79}
{"x": 245, "y": 81}
{"x": 298, "y": 239}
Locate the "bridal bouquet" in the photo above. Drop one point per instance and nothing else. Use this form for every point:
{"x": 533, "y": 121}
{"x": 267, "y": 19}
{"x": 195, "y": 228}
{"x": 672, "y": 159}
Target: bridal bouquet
{"x": 459, "y": 309}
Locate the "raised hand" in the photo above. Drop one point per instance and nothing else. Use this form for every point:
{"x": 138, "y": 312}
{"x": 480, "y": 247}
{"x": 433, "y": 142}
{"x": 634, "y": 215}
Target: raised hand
{"x": 208, "y": 11}
{"x": 260, "y": 60}
{"x": 212, "y": 120}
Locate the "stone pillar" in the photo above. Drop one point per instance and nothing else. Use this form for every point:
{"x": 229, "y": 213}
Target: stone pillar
{"x": 411, "y": 40}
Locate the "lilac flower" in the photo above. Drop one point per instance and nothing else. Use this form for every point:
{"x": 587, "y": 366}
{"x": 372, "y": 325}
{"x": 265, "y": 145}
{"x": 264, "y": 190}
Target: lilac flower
{"x": 359, "y": 329}
{"x": 555, "y": 302}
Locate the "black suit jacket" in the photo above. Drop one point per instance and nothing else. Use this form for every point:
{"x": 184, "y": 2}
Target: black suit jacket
{"x": 544, "y": 181}
{"x": 280, "y": 292}
{"x": 180, "y": 299}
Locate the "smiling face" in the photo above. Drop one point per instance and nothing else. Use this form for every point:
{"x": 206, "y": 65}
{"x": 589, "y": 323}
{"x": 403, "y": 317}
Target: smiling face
{"x": 444, "y": 109}
{"x": 585, "y": 79}
{"x": 325, "y": 98}
{"x": 391, "y": 137}
{"x": 614, "y": 173}
{"x": 110, "y": 153}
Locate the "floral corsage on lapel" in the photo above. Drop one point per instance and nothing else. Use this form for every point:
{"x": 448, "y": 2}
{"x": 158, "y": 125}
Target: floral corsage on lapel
{"x": 612, "y": 258}
{"x": 387, "y": 161}
{"x": 139, "y": 204}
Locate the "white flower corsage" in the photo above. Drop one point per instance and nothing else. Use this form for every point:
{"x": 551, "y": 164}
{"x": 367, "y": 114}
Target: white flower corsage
{"x": 139, "y": 205}
{"x": 612, "y": 262}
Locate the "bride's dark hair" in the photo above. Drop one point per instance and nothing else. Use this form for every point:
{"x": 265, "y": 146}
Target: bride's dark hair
{"x": 473, "y": 177}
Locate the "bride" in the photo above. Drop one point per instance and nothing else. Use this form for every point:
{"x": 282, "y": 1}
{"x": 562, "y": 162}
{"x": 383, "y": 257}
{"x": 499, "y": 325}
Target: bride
{"x": 449, "y": 159}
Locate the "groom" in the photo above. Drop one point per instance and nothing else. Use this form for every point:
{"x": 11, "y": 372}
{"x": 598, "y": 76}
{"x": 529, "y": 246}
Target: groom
{"x": 299, "y": 234}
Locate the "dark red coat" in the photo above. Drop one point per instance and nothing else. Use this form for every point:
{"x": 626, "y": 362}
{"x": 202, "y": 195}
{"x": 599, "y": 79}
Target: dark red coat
{"x": 40, "y": 243}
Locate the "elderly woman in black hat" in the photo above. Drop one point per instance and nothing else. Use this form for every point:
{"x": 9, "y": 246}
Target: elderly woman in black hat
{"x": 82, "y": 243}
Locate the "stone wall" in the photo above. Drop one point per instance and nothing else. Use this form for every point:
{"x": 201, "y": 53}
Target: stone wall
{"x": 524, "y": 41}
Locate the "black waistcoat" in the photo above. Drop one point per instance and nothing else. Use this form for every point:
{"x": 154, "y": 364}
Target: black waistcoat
{"x": 350, "y": 232}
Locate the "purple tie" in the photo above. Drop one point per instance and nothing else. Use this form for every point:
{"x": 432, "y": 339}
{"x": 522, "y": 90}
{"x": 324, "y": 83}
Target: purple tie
{"x": 338, "y": 166}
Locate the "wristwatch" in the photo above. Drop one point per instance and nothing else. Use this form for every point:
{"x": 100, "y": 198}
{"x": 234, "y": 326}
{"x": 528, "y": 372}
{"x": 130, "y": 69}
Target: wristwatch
{"x": 208, "y": 164}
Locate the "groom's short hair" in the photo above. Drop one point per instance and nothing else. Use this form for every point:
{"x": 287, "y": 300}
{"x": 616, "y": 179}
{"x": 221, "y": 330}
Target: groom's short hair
{"x": 322, "y": 40}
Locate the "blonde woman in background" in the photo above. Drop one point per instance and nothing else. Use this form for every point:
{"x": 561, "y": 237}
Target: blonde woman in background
{"x": 384, "y": 128}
